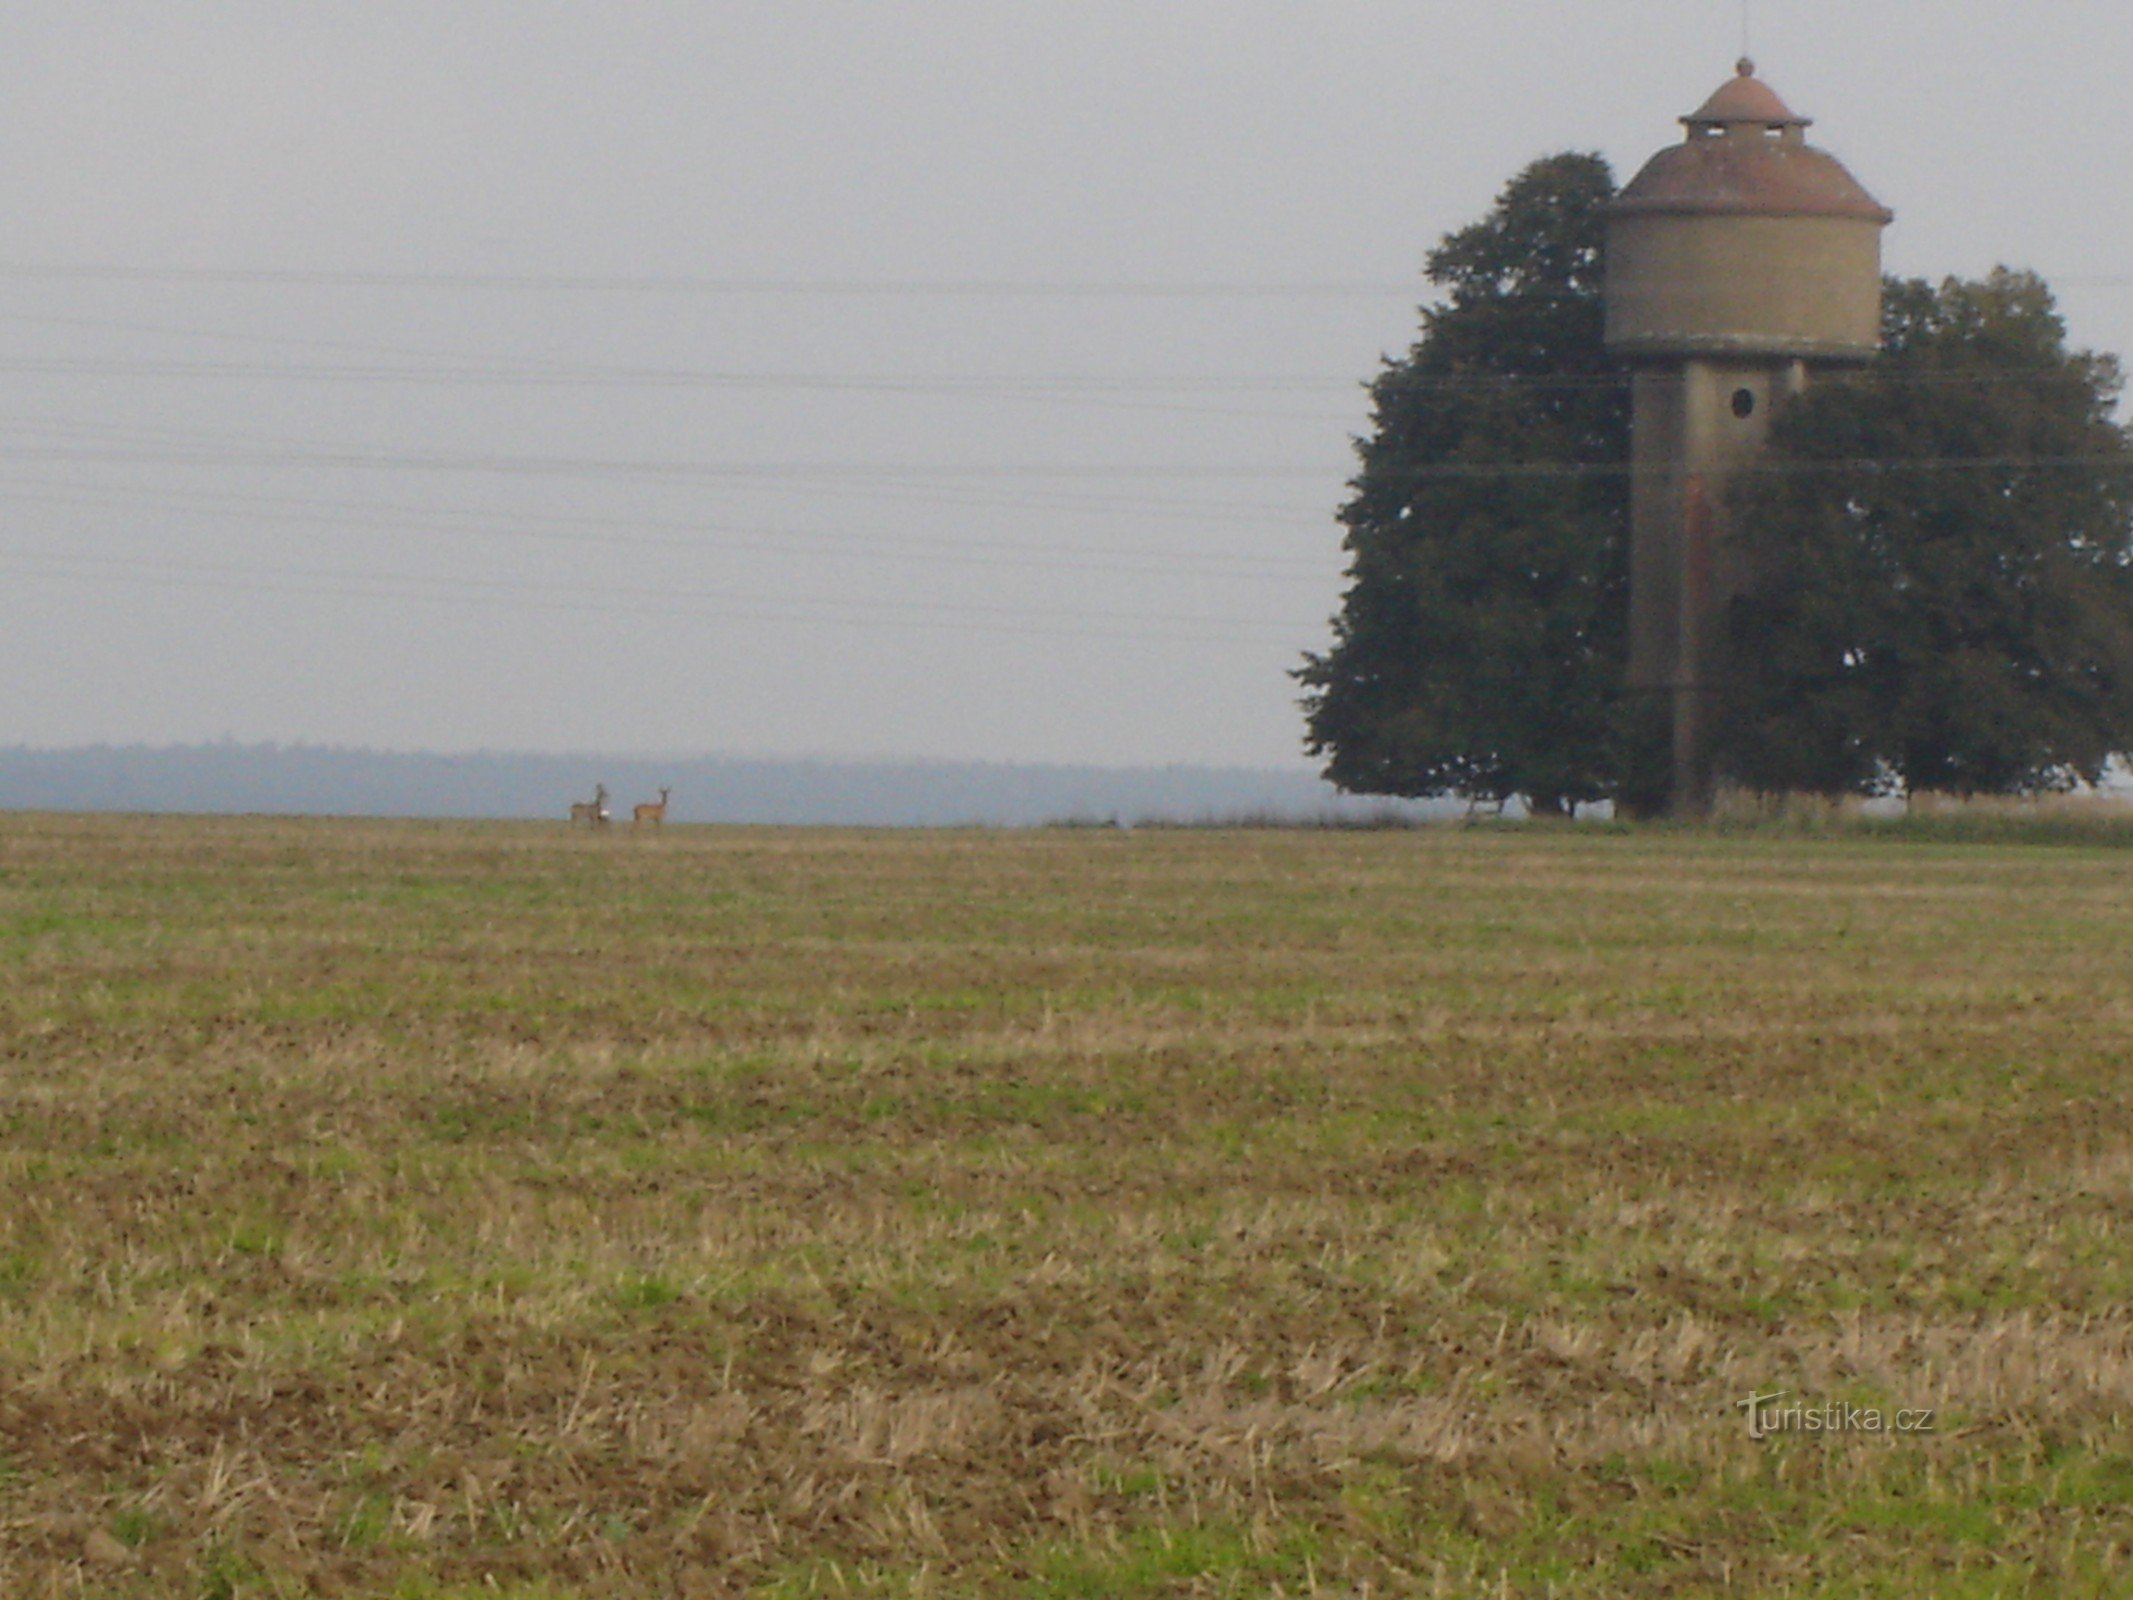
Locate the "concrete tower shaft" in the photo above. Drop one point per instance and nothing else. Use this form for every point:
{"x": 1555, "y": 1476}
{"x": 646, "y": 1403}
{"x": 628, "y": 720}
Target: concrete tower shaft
{"x": 1738, "y": 263}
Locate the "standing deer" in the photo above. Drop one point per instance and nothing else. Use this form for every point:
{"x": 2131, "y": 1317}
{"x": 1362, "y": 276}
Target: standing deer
{"x": 593, "y": 812}
{"x": 647, "y": 812}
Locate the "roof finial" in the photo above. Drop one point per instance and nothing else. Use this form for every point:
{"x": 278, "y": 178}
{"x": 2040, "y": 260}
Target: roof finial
{"x": 1745, "y": 67}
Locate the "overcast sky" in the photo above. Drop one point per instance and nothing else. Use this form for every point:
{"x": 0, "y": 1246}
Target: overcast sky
{"x": 954, "y": 380}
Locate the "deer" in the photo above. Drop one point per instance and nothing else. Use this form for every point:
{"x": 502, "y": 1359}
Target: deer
{"x": 647, "y": 812}
{"x": 593, "y": 812}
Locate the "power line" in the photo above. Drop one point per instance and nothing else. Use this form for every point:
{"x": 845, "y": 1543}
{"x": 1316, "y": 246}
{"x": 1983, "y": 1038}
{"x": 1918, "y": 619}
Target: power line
{"x": 1094, "y": 395}
{"x": 1877, "y": 465}
{"x": 169, "y": 445}
{"x": 598, "y": 283}
{"x": 795, "y": 286}
{"x": 330, "y": 583}
{"x": 1076, "y": 388}
{"x": 447, "y": 367}
{"x": 545, "y": 367}
{"x": 684, "y": 536}
{"x": 901, "y": 472}
{"x": 675, "y": 469}
{"x": 1142, "y": 505}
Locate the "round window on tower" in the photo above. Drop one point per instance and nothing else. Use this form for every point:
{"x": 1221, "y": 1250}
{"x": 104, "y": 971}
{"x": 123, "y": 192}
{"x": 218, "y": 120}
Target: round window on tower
{"x": 1744, "y": 403}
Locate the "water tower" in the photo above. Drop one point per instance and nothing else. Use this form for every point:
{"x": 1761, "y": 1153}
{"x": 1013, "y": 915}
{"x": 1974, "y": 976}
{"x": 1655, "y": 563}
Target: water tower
{"x": 1739, "y": 262}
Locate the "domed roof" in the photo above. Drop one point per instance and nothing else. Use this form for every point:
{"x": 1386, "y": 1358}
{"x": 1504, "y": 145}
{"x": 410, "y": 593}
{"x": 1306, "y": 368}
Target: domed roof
{"x": 1747, "y": 154}
{"x": 1745, "y": 98}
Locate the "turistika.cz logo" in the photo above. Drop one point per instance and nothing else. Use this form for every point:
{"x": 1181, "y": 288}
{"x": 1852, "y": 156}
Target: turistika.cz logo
{"x": 1768, "y": 1416}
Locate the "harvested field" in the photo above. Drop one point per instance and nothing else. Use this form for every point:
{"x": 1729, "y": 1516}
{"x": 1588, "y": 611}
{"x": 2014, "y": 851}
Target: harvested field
{"x": 449, "y": 1211}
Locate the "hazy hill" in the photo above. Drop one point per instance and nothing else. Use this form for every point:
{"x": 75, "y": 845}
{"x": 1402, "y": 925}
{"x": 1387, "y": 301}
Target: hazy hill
{"x": 336, "y": 782}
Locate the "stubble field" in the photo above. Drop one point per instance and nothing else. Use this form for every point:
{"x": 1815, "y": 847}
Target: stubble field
{"x": 454, "y": 1210}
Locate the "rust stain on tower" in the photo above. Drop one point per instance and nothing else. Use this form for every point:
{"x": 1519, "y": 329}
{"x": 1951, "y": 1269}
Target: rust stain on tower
{"x": 1739, "y": 262}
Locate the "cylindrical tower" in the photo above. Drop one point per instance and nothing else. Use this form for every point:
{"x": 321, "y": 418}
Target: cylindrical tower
{"x": 1738, "y": 261}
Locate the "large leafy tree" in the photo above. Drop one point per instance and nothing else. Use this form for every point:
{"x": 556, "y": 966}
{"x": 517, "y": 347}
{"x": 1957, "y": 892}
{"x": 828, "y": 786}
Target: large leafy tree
{"x": 1479, "y": 647}
{"x": 1944, "y": 600}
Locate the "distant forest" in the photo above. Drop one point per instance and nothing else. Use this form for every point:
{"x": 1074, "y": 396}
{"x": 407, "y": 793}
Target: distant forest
{"x": 309, "y": 780}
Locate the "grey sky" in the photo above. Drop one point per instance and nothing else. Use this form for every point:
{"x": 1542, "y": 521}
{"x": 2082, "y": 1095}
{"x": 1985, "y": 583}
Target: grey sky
{"x": 645, "y": 510}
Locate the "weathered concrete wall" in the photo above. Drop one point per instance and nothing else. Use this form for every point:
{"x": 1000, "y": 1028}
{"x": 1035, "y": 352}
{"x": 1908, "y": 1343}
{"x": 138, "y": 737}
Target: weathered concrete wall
{"x": 1743, "y": 285}
{"x": 1696, "y": 422}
